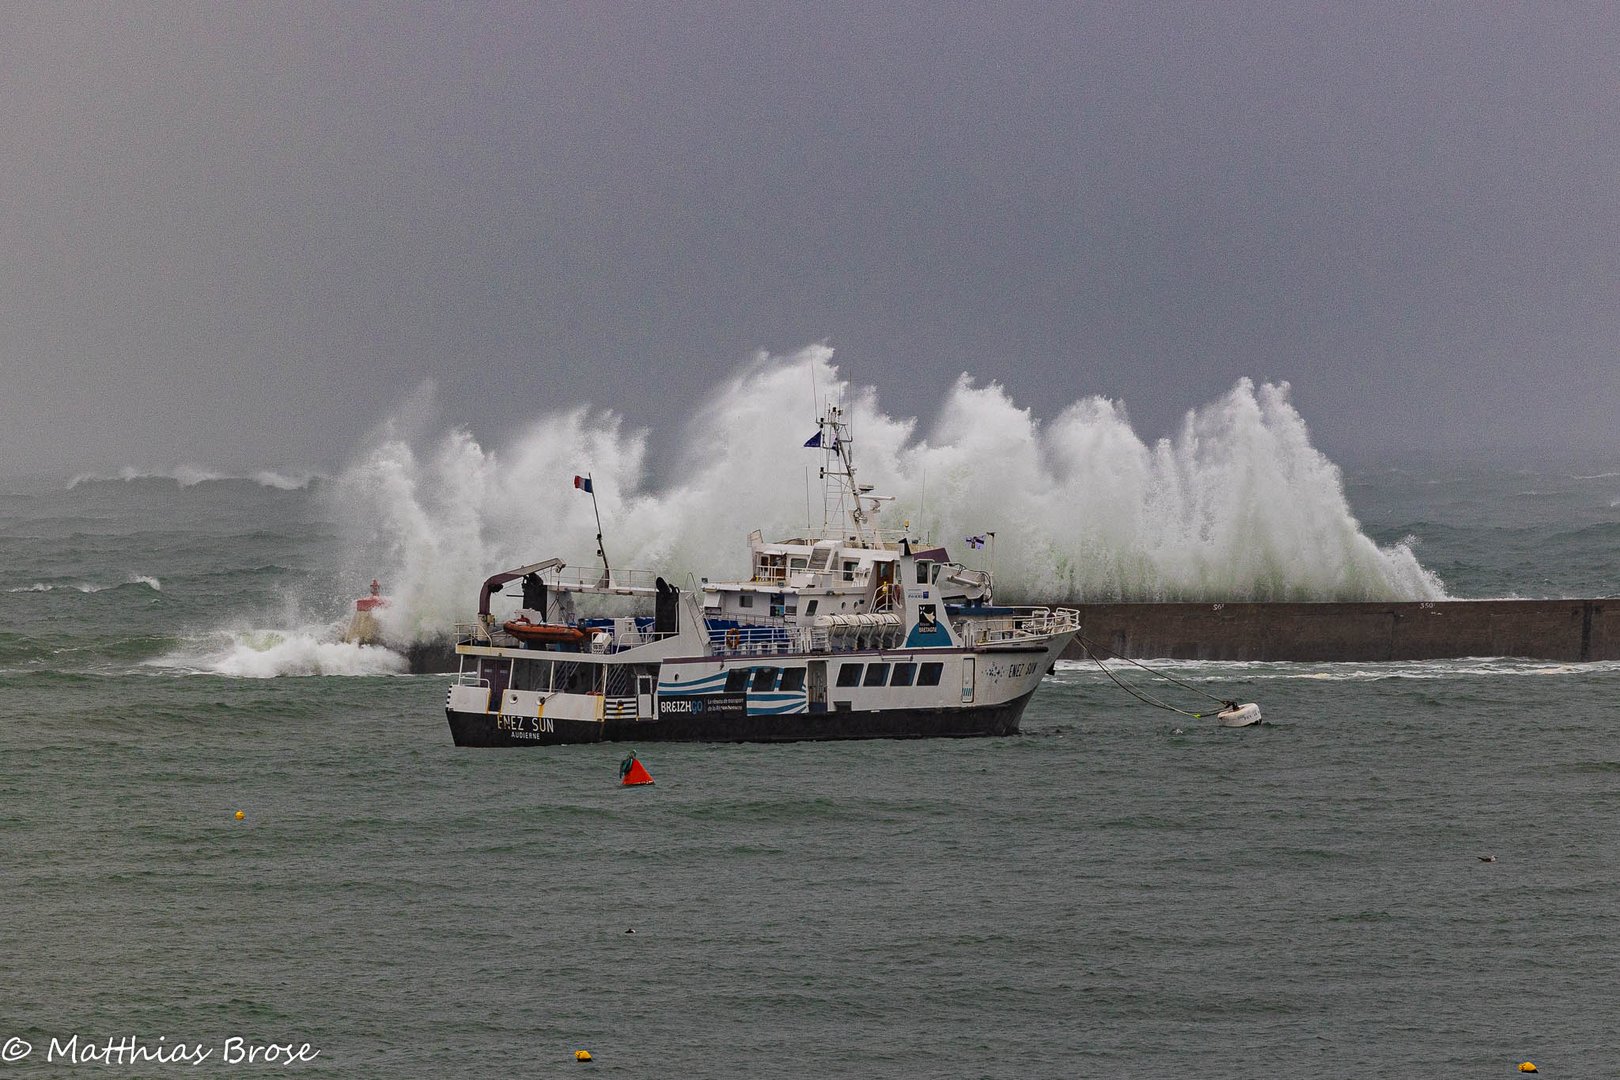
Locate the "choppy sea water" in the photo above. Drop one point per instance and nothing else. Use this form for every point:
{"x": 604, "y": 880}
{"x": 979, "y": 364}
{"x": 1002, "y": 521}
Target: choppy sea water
{"x": 1101, "y": 895}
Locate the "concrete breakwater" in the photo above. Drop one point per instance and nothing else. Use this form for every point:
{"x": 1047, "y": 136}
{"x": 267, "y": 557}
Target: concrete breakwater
{"x": 1565, "y": 630}
{"x": 1568, "y": 630}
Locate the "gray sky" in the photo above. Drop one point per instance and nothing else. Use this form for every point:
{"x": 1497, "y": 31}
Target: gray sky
{"x": 236, "y": 234}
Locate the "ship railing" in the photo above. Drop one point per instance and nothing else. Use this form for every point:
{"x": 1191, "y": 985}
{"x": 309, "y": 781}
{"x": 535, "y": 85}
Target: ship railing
{"x": 760, "y": 640}
{"x": 802, "y": 577}
{"x": 493, "y": 636}
{"x": 474, "y": 633}
{"x": 605, "y": 639}
{"x": 602, "y": 639}
{"x": 1024, "y": 625}
{"x": 587, "y": 577}
{"x": 779, "y": 638}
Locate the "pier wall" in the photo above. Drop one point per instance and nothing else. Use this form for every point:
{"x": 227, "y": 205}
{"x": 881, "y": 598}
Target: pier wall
{"x": 1568, "y": 630}
{"x": 1562, "y": 630}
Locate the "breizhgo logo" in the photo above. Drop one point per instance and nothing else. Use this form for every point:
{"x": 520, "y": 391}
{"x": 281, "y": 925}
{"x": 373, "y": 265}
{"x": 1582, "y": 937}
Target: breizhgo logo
{"x": 703, "y": 705}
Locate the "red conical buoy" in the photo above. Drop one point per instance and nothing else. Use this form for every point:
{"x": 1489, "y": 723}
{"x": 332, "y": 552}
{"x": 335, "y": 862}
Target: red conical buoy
{"x": 633, "y": 772}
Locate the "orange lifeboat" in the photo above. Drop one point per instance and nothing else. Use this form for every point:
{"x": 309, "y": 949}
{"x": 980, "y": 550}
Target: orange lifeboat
{"x": 544, "y": 633}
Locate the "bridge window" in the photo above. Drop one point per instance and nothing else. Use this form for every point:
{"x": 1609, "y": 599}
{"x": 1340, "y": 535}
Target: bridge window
{"x": 922, "y": 571}
{"x": 849, "y": 674}
{"x": 876, "y": 674}
{"x": 929, "y": 675}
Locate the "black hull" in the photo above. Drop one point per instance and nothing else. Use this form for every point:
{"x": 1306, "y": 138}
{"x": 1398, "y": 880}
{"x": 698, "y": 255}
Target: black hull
{"x": 483, "y": 729}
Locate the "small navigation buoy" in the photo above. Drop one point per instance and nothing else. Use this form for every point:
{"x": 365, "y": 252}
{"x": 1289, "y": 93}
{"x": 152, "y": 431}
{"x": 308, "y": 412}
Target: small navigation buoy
{"x": 1527, "y": 1066}
{"x": 240, "y": 815}
{"x": 1235, "y": 715}
{"x": 582, "y": 1055}
{"x": 1487, "y": 858}
{"x": 632, "y": 772}
{"x": 631, "y": 930}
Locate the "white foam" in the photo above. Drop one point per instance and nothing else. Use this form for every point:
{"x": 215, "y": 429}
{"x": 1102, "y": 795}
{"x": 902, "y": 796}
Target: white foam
{"x": 1219, "y": 671}
{"x": 191, "y": 475}
{"x": 267, "y": 654}
{"x": 1238, "y": 506}
{"x": 88, "y": 587}
{"x": 281, "y": 481}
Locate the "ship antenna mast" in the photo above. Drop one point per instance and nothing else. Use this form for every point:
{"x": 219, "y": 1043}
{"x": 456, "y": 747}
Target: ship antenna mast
{"x": 607, "y": 571}
{"x": 839, "y": 469}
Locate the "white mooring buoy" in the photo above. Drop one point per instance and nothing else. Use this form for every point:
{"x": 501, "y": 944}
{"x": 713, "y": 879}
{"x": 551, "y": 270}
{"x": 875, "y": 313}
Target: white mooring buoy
{"x": 1239, "y": 715}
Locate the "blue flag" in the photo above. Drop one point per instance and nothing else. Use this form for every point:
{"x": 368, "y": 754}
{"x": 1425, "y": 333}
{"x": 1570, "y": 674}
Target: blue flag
{"x": 975, "y": 541}
{"x": 814, "y": 440}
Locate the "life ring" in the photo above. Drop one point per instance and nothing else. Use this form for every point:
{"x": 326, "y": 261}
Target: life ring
{"x": 733, "y": 639}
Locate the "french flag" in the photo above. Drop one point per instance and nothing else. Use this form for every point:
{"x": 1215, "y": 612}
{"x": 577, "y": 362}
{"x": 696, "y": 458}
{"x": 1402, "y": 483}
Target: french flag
{"x": 583, "y": 483}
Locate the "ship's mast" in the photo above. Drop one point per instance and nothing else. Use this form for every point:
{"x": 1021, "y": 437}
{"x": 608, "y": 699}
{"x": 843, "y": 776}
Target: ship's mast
{"x": 842, "y": 495}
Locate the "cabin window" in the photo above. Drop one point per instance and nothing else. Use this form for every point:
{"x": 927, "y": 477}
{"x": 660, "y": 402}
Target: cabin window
{"x": 764, "y": 679}
{"x": 876, "y": 674}
{"x": 798, "y": 563}
{"x": 737, "y": 680}
{"x": 849, "y": 570}
{"x": 904, "y": 675}
{"x": 745, "y": 600}
{"x": 922, "y": 572}
{"x": 810, "y": 608}
{"x": 849, "y": 674}
{"x": 531, "y": 675}
{"x": 792, "y": 679}
{"x": 934, "y": 572}
{"x": 929, "y": 675}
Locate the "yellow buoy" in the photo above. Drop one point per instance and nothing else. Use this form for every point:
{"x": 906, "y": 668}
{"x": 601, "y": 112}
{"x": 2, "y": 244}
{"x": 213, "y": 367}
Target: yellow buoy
{"x": 240, "y": 815}
{"x": 582, "y": 1055}
{"x": 1527, "y": 1066}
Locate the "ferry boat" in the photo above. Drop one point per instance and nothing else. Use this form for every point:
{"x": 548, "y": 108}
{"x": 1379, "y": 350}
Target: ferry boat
{"x": 850, "y": 632}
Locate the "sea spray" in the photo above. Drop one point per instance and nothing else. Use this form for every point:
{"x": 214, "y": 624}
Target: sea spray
{"x": 265, "y": 654}
{"x": 1237, "y": 506}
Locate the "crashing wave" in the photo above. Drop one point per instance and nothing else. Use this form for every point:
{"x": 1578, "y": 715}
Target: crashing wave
{"x": 1237, "y": 506}
{"x": 268, "y": 654}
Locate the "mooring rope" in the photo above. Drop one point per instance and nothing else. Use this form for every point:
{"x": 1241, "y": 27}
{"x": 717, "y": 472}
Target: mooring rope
{"x": 1131, "y": 690}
